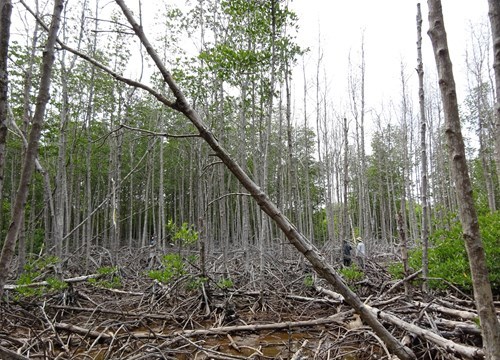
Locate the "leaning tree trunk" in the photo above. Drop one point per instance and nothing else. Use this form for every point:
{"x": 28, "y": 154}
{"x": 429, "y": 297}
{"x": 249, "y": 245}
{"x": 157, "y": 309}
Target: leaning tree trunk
{"x": 32, "y": 149}
{"x": 296, "y": 238}
{"x": 470, "y": 226}
{"x": 494, "y": 14}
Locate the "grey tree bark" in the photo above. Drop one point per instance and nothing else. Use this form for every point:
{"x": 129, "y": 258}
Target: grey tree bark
{"x": 423, "y": 153}
{"x": 477, "y": 58}
{"x": 5, "y": 15}
{"x": 32, "y": 149}
{"x": 477, "y": 260}
{"x": 494, "y": 14}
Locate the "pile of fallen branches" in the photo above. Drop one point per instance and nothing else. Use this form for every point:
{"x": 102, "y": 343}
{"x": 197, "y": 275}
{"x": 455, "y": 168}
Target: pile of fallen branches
{"x": 278, "y": 311}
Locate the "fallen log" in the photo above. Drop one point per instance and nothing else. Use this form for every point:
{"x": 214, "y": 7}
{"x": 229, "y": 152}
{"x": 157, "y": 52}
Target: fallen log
{"x": 468, "y": 352}
{"x": 459, "y": 327}
{"x": 45, "y": 283}
{"x": 467, "y": 315}
{"x": 83, "y": 331}
{"x": 337, "y": 318}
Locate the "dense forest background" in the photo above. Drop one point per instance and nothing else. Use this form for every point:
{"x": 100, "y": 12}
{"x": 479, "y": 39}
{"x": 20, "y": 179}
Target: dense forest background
{"x": 154, "y": 185}
{"x": 118, "y": 169}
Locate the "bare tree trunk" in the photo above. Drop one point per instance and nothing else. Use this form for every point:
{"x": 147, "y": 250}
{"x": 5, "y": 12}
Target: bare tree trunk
{"x": 365, "y": 218}
{"x": 494, "y": 14}
{"x": 404, "y": 251}
{"x": 423, "y": 156}
{"x": 346, "y": 247}
{"x": 477, "y": 260}
{"x": 5, "y": 14}
{"x": 477, "y": 60}
{"x": 402, "y": 215}
{"x": 32, "y": 149}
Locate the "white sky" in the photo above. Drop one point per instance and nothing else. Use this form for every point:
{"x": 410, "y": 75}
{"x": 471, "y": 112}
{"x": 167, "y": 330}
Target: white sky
{"x": 390, "y": 39}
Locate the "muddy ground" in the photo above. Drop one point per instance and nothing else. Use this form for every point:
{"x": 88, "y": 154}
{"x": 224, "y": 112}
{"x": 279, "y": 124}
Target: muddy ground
{"x": 282, "y": 312}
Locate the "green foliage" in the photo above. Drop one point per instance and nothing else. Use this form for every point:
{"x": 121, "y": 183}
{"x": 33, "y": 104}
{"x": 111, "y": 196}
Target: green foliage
{"x": 396, "y": 270}
{"x": 448, "y": 257}
{"x": 173, "y": 268}
{"x": 56, "y": 284}
{"x": 109, "y": 280}
{"x": 33, "y": 272}
{"x": 351, "y": 273}
{"x": 195, "y": 283}
{"x": 309, "y": 281}
{"x": 225, "y": 283}
{"x": 184, "y": 235}
{"x": 107, "y": 270}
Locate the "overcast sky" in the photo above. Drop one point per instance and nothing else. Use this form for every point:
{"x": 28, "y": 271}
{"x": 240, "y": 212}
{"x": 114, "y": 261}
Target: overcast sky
{"x": 389, "y": 28}
{"x": 390, "y": 38}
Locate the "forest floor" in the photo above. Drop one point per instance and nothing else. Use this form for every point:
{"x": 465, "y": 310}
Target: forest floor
{"x": 281, "y": 312}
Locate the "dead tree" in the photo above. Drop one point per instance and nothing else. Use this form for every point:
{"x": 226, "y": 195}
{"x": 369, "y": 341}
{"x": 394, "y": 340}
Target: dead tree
{"x": 423, "y": 150}
{"x": 468, "y": 216}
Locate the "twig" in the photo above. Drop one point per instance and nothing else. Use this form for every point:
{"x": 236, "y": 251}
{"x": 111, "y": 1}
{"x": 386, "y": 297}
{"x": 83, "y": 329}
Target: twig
{"x": 296, "y": 356}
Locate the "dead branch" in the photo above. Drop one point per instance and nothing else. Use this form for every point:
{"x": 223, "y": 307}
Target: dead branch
{"x": 337, "y": 318}
{"x": 401, "y": 282}
{"x": 450, "y": 346}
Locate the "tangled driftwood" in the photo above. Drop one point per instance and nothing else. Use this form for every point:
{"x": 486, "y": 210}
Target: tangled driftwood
{"x": 280, "y": 316}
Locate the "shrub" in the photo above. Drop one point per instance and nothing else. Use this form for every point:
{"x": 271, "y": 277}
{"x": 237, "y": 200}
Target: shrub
{"x": 225, "y": 283}
{"x": 448, "y": 257}
{"x": 33, "y": 271}
{"x": 173, "y": 267}
{"x": 309, "y": 281}
{"x": 110, "y": 278}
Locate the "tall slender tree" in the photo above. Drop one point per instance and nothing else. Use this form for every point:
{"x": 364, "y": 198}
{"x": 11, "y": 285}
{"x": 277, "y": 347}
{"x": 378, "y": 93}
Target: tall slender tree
{"x": 494, "y": 14}
{"x": 490, "y": 326}
{"x": 423, "y": 152}
{"x": 32, "y": 149}
{"x": 5, "y": 15}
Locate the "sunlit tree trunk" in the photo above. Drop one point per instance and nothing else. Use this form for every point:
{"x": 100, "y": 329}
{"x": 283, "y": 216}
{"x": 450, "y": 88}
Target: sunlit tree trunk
{"x": 24, "y": 133}
{"x": 490, "y": 326}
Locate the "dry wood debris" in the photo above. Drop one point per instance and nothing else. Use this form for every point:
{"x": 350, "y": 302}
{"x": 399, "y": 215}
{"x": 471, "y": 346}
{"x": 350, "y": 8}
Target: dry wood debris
{"x": 281, "y": 317}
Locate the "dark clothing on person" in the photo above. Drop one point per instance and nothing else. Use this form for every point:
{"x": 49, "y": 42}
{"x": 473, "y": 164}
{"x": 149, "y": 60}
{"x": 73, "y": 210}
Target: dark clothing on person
{"x": 347, "y": 254}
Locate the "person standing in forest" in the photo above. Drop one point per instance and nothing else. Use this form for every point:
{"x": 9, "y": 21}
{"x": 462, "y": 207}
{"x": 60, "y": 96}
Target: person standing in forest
{"x": 360, "y": 252}
{"x": 346, "y": 256}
